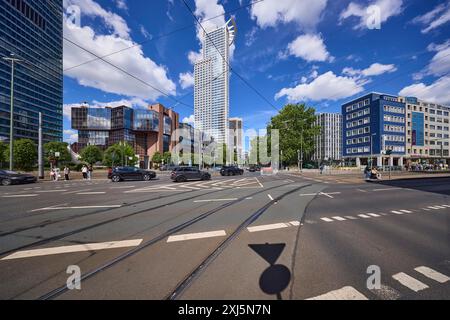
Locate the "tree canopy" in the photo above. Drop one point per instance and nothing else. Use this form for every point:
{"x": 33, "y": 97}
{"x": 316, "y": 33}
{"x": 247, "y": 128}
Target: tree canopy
{"x": 51, "y": 147}
{"x": 91, "y": 155}
{"x": 120, "y": 154}
{"x": 25, "y": 154}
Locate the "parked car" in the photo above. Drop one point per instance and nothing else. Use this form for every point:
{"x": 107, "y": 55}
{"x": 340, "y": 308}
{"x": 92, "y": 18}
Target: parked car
{"x": 11, "y": 177}
{"x": 254, "y": 168}
{"x": 231, "y": 171}
{"x": 130, "y": 173}
{"x": 183, "y": 174}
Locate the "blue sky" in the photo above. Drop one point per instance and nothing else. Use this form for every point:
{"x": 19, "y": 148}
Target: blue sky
{"x": 320, "y": 52}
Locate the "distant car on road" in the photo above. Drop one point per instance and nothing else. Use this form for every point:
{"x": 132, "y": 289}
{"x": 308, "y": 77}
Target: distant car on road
{"x": 254, "y": 168}
{"x": 130, "y": 173}
{"x": 11, "y": 177}
{"x": 167, "y": 167}
{"x": 183, "y": 174}
{"x": 231, "y": 171}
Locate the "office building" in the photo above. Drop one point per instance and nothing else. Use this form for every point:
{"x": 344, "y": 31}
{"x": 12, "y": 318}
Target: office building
{"x": 147, "y": 130}
{"x": 373, "y": 124}
{"x": 328, "y": 144}
{"x": 32, "y": 31}
{"x": 212, "y": 82}
{"x": 427, "y": 131}
{"x": 236, "y": 132}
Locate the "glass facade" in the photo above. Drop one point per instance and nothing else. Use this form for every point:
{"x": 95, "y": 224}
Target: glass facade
{"x": 146, "y": 120}
{"x": 32, "y": 31}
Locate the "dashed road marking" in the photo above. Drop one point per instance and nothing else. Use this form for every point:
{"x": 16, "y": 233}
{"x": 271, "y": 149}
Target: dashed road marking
{"x": 79, "y": 207}
{"x": 374, "y": 215}
{"x": 327, "y": 219}
{"x": 194, "y": 236}
{"x": 397, "y": 212}
{"x": 20, "y": 196}
{"x": 345, "y": 293}
{"x": 432, "y": 274}
{"x": 410, "y": 282}
{"x": 406, "y": 211}
{"x": 339, "y": 218}
{"x": 215, "y": 200}
{"x": 363, "y": 216}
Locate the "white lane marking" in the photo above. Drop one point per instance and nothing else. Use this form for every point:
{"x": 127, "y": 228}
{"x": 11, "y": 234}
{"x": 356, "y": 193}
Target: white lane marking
{"x": 329, "y": 194}
{"x": 363, "y": 216}
{"x": 397, "y": 212}
{"x": 20, "y": 196}
{"x": 72, "y": 192}
{"x": 270, "y": 197}
{"x": 75, "y": 248}
{"x": 446, "y": 205}
{"x": 374, "y": 215}
{"x": 194, "y": 236}
{"x": 80, "y": 207}
{"x": 260, "y": 184}
{"x": 440, "y": 207}
{"x": 339, "y": 218}
{"x": 434, "y": 208}
{"x": 308, "y": 194}
{"x": 90, "y": 193}
{"x": 426, "y": 209}
{"x": 124, "y": 187}
{"x": 361, "y": 190}
{"x": 215, "y": 200}
{"x": 50, "y": 191}
{"x": 327, "y": 219}
{"x": 295, "y": 223}
{"x": 432, "y": 274}
{"x": 351, "y": 218}
{"x": 410, "y": 282}
{"x": 386, "y": 189}
{"x": 406, "y": 211}
{"x": 345, "y": 293}
{"x": 268, "y": 227}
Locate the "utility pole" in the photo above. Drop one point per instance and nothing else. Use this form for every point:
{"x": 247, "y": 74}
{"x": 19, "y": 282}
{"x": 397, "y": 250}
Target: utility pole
{"x": 11, "y": 119}
{"x": 40, "y": 150}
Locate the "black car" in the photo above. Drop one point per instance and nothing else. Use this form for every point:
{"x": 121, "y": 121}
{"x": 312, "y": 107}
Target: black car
{"x": 254, "y": 168}
{"x": 231, "y": 171}
{"x": 10, "y": 177}
{"x": 130, "y": 173}
{"x": 183, "y": 174}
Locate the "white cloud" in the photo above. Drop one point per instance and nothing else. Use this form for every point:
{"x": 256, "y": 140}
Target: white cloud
{"x": 144, "y": 32}
{"x": 122, "y": 4}
{"x": 194, "y": 57}
{"x": 375, "y": 69}
{"x": 440, "y": 63}
{"x": 437, "y": 92}
{"x": 189, "y": 120}
{"x": 309, "y": 47}
{"x": 70, "y": 136}
{"x": 327, "y": 86}
{"x": 186, "y": 80}
{"x": 305, "y": 13}
{"x": 435, "y": 18}
{"x": 388, "y": 9}
{"x": 91, "y": 8}
{"x": 102, "y": 76}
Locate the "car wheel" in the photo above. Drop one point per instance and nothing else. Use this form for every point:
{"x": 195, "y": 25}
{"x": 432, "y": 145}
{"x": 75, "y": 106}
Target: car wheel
{"x": 147, "y": 177}
{"x": 181, "y": 179}
{"x": 115, "y": 179}
{"x": 6, "y": 182}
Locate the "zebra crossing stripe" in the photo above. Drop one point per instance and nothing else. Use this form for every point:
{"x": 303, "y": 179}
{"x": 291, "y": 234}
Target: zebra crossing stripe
{"x": 345, "y": 293}
{"x": 410, "y": 282}
{"x": 432, "y": 274}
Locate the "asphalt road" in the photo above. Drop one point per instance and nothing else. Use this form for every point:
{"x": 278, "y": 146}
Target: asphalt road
{"x": 247, "y": 237}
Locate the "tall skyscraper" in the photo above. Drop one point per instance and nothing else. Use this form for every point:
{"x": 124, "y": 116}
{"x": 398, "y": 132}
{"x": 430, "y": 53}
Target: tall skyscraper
{"x": 212, "y": 81}
{"x": 328, "y": 144}
{"x": 32, "y": 30}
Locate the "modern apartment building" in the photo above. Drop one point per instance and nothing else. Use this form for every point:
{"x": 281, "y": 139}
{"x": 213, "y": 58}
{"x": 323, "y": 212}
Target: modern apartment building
{"x": 32, "y": 31}
{"x": 147, "y": 130}
{"x": 427, "y": 131}
{"x": 212, "y": 82}
{"x": 236, "y": 128}
{"x": 373, "y": 124}
{"x": 328, "y": 144}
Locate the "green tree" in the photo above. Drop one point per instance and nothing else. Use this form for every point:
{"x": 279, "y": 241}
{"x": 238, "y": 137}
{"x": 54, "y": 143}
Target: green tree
{"x": 25, "y": 154}
{"x": 297, "y": 129}
{"x": 91, "y": 155}
{"x": 157, "y": 157}
{"x": 120, "y": 154}
{"x": 167, "y": 157}
{"x": 3, "y": 148}
{"x": 51, "y": 147}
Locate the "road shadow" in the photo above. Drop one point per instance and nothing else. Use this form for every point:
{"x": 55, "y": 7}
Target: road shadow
{"x": 276, "y": 277}
{"x": 440, "y": 185}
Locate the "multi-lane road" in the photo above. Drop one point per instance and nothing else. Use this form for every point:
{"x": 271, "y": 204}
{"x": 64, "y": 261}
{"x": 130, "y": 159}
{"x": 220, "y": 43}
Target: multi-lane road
{"x": 250, "y": 237}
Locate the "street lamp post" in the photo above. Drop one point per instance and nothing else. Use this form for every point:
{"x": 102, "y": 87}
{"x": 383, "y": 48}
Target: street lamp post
{"x": 11, "y": 119}
{"x": 371, "y": 149}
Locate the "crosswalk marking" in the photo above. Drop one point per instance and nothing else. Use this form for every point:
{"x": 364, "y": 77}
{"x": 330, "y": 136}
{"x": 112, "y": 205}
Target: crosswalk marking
{"x": 327, "y": 219}
{"x": 194, "y": 236}
{"x": 386, "y": 293}
{"x": 410, "y": 282}
{"x": 339, "y": 218}
{"x": 397, "y": 212}
{"x": 268, "y": 227}
{"x": 406, "y": 211}
{"x": 363, "y": 216}
{"x": 345, "y": 293}
{"x": 432, "y": 274}
{"x": 351, "y": 218}
{"x": 374, "y": 215}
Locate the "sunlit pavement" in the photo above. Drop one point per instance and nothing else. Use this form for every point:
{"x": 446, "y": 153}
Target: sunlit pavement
{"x": 243, "y": 237}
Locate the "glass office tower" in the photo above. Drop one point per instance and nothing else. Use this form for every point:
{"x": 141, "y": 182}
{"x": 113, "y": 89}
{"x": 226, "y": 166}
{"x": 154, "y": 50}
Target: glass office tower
{"x": 32, "y": 31}
{"x": 212, "y": 81}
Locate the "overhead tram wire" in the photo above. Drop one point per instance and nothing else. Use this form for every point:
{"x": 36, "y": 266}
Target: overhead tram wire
{"x": 164, "y": 35}
{"x": 230, "y": 68}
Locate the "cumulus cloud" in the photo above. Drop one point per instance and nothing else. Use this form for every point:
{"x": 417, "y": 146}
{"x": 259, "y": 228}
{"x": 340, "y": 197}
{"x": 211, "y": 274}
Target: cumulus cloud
{"x": 122, "y": 4}
{"x": 70, "y": 136}
{"x": 194, "y": 57}
{"x": 186, "y": 80}
{"x": 439, "y": 64}
{"x": 437, "y": 92}
{"x": 309, "y": 47}
{"x": 435, "y": 18}
{"x": 305, "y": 13}
{"x": 388, "y": 9}
{"x": 327, "y": 86}
{"x": 375, "y": 69}
{"x": 102, "y": 76}
{"x": 189, "y": 120}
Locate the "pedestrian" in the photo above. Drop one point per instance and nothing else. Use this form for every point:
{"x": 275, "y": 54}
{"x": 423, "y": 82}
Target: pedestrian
{"x": 52, "y": 174}
{"x": 321, "y": 169}
{"x": 66, "y": 173}
{"x": 90, "y": 172}
{"x": 367, "y": 173}
{"x": 84, "y": 171}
